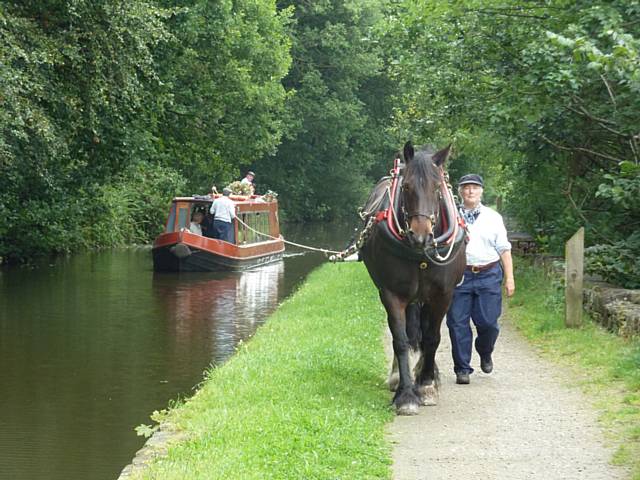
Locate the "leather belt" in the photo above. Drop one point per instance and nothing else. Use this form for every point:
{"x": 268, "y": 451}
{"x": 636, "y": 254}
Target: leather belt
{"x": 481, "y": 268}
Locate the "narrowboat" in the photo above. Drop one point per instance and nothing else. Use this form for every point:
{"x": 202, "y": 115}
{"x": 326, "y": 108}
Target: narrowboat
{"x": 256, "y": 239}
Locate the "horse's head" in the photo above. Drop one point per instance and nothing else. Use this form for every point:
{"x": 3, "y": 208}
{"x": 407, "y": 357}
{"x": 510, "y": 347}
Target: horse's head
{"x": 421, "y": 193}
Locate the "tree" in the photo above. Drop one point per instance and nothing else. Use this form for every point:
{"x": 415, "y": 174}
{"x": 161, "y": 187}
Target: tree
{"x": 77, "y": 84}
{"x": 337, "y": 114}
{"x": 556, "y": 82}
{"x": 106, "y": 109}
{"x": 225, "y": 69}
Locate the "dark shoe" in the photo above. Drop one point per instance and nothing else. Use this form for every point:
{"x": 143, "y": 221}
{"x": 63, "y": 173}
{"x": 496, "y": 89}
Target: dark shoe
{"x": 462, "y": 378}
{"x": 486, "y": 364}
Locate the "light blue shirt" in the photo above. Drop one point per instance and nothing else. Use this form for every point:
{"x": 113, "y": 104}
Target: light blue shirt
{"x": 487, "y": 238}
{"x": 223, "y": 209}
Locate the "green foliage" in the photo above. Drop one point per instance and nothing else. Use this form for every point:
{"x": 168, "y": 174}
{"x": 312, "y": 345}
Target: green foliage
{"x": 336, "y": 117}
{"x": 75, "y": 78}
{"x": 619, "y": 261}
{"x": 133, "y": 208}
{"x": 105, "y": 108}
{"x": 540, "y": 98}
{"x": 225, "y": 68}
{"x": 555, "y": 82}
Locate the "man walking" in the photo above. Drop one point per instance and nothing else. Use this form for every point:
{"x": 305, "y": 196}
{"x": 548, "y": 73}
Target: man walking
{"x": 479, "y": 297}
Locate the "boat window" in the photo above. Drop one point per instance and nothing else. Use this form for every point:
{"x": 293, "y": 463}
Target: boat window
{"x": 172, "y": 218}
{"x": 183, "y": 217}
{"x": 200, "y": 207}
{"x": 258, "y": 223}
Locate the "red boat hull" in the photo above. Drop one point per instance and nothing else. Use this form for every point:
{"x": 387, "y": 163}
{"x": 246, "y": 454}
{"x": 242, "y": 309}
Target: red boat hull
{"x": 187, "y": 252}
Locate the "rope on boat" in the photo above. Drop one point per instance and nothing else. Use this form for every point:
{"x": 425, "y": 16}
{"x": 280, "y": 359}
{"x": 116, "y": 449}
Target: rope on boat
{"x": 306, "y": 247}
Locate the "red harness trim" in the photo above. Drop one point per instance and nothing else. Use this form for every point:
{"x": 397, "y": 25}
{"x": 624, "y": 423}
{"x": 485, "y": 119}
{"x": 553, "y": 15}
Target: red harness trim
{"x": 451, "y": 206}
{"x": 381, "y": 215}
{"x": 390, "y": 213}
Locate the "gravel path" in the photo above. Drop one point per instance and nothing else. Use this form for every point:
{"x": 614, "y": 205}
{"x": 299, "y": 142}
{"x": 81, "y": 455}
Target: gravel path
{"x": 523, "y": 421}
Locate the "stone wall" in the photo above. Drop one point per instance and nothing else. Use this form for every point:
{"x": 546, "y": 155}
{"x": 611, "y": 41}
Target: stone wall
{"x": 616, "y": 308}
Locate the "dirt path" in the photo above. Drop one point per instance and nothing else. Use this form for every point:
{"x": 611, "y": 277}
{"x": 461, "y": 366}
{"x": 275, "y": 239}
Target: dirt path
{"x": 523, "y": 421}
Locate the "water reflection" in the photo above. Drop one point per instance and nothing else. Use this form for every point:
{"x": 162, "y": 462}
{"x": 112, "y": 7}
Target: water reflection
{"x": 219, "y": 308}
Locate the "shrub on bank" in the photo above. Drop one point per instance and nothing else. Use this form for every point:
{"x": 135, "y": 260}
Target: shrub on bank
{"x": 132, "y": 208}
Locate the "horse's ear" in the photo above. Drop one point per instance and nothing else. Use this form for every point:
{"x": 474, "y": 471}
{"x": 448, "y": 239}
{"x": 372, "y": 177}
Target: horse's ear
{"x": 440, "y": 157}
{"x": 408, "y": 152}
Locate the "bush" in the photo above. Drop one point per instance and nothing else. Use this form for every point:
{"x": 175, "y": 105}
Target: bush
{"x": 133, "y": 209}
{"x": 618, "y": 263}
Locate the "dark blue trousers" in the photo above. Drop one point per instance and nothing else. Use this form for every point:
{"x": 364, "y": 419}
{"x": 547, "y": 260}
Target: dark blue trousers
{"x": 478, "y": 299}
{"x": 223, "y": 230}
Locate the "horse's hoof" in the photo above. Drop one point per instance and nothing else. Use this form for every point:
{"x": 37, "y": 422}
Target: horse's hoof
{"x": 407, "y": 409}
{"x": 428, "y": 395}
{"x": 393, "y": 381}
{"x": 406, "y": 401}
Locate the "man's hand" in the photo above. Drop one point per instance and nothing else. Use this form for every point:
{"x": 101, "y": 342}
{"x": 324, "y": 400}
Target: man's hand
{"x": 510, "y": 286}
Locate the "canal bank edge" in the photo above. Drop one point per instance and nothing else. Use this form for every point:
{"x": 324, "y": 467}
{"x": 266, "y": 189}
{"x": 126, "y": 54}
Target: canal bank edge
{"x": 156, "y": 446}
{"x": 334, "y": 321}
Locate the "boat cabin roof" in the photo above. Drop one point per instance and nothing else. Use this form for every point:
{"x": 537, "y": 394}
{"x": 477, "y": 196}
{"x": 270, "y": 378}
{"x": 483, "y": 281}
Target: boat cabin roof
{"x": 245, "y": 199}
{"x": 243, "y": 203}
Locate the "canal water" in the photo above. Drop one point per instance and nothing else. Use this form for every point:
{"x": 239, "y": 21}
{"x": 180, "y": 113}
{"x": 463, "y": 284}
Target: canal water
{"x": 91, "y": 344}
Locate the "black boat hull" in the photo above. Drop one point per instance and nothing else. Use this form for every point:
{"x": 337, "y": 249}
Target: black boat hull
{"x": 183, "y": 258}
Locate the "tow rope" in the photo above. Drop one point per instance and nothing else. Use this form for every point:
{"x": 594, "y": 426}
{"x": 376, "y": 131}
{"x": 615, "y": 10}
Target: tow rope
{"x": 299, "y": 245}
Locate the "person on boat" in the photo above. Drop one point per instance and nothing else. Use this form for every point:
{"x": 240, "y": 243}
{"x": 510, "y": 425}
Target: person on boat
{"x": 248, "y": 180}
{"x": 478, "y": 297}
{"x": 207, "y": 222}
{"x": 196, "y": 220}
{"x": 224, "y": 211}
{"x": 207, "y": 226}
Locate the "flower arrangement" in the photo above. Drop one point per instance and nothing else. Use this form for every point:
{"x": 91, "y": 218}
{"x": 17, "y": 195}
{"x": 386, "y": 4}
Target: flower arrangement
{"x": 239, "y": 188}
{"x": 270, "y": 196}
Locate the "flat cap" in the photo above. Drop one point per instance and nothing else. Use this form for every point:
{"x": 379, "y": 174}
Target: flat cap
{"x": 471, "y": 178}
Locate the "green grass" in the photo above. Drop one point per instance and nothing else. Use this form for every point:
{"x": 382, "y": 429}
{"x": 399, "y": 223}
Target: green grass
{"x": 305, "y": 398}
{"x": 604, "y": 365}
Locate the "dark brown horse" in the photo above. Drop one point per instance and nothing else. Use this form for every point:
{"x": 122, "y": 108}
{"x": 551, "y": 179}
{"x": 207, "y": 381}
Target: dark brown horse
{"x": 415, "y": 255}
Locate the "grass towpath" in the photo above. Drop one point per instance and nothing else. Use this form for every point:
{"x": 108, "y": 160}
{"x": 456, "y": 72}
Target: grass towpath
{"x": 305, "y": 398}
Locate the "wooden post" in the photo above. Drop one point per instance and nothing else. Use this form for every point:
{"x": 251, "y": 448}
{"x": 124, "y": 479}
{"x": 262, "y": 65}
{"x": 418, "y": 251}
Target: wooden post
{"x": 574, "y": 261}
